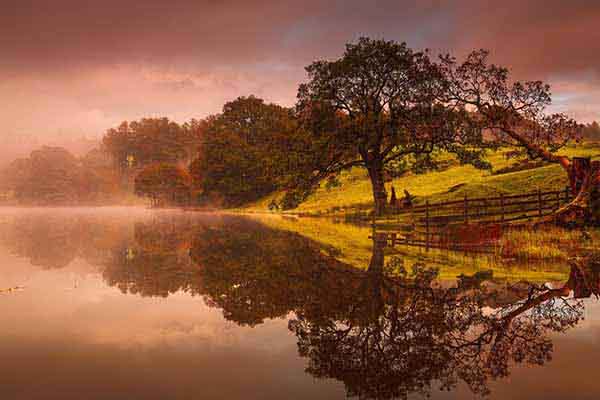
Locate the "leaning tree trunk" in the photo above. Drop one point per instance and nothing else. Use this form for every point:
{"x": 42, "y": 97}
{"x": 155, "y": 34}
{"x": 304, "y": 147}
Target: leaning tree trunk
{"x": 584, "y": 182}
{"x": 584, "y": 278}
{"x": 378, "y": 185}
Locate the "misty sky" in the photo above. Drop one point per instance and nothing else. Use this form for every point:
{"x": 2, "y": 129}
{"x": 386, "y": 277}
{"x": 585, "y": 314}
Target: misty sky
{"x": 74, "y": 67}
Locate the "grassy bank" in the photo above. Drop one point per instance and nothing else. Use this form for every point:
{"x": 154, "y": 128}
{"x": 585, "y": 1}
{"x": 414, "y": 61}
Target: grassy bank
{"x": 522, "y": 254}
{"x": 354, "y": 192}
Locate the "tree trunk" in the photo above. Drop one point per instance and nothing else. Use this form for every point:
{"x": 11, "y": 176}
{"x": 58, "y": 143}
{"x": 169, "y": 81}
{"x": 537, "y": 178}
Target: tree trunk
{"x": 377, "y": 183}
{"x": 584, "y": 278}
{"x": 584, "y": 182}
{"x": 373, "y": 284}
{"x": 378, "y": 253}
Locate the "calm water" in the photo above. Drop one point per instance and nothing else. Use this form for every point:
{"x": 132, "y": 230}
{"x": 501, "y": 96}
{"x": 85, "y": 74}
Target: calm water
{"x": 134, "y": 304}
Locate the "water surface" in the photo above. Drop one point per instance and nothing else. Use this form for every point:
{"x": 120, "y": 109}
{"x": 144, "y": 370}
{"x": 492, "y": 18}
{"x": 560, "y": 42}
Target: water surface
{"x": 138, "y": 304}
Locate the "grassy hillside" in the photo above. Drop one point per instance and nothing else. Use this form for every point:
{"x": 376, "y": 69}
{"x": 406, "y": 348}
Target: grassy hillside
{"x": 354, "y": 193}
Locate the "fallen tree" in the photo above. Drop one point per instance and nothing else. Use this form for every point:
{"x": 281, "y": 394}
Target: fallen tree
{"x": 514, "y": 114}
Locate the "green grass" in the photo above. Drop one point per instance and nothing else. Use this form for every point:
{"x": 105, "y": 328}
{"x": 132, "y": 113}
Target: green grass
{"x": 537, "y": 256}
{"x": 354, "y": 194}
{"x": 521, "y": 254}
{"x": 552, "y": 244}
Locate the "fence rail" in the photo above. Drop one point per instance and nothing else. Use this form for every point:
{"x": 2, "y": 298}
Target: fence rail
{"x": 496, "y": 209}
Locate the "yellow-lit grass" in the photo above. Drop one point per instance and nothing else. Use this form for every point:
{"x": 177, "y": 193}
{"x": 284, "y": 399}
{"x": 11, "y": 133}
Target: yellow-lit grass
{"x": 547, "y": 244}
{"x": 354, "y": 194}
{"x": 351, "y": 244}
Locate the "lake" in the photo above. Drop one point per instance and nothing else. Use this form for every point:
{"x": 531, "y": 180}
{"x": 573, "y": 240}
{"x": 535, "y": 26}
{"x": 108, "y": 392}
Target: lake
{"x": 128, "y": 303}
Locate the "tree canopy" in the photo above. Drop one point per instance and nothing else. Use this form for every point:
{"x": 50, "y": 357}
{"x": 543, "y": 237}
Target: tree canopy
{"x": 591, "y": 131}
{"x": 379, "y": 103}
{"x": 515, "y": 113}
{"x": 152, "y": 140}
{"x": 244, "y": 150}
{"x": 164, "y": 184}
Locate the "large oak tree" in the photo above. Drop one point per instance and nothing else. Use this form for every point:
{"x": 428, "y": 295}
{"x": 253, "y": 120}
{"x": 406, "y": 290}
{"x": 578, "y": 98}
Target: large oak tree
{"x": 376, "y": 104}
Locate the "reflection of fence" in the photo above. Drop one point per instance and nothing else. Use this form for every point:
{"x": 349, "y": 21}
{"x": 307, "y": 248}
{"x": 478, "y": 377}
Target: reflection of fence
{"x": 468, "y": 238}
{"x": 470, "y": 224}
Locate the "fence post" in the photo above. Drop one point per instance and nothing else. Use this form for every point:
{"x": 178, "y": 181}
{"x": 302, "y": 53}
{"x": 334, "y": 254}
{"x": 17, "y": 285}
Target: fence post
{"x": 539, "y": 195}
{"x": 427, "y": 225}
{"x": 502, "y": 207}
{"x": 566, "y": 194}
{"x": 466, "y": 213}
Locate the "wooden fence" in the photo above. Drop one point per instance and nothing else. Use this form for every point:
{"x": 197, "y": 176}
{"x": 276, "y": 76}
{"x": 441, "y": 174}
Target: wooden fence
{"x": 464, "y": 238}
{"x": 498, "y": 209}
{"x": 470, "y": 224}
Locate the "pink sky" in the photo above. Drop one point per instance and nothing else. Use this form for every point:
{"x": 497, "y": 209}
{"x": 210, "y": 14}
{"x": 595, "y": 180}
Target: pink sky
{"x": 70, "y": 68}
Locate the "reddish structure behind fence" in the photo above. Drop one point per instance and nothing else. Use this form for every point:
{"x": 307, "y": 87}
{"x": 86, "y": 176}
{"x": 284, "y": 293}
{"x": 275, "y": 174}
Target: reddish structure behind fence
{"x": 467, "y": 224}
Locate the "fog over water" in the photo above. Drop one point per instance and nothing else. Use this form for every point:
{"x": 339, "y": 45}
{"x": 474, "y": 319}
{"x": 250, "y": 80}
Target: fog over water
{"x": 135, "y": 303}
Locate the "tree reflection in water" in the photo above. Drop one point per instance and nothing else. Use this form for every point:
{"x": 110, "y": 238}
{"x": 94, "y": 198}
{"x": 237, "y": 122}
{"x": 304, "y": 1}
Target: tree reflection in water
{"x": 385, "y": 331}
{"x": 49, "y": 242}
{"x": 405, "y": 332}
{"x": 156, "y": 261}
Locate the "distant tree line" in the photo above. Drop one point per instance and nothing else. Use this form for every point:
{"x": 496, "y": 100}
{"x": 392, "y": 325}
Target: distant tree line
{"x": 52, "y": 175}
{"x": 591, "y": 131}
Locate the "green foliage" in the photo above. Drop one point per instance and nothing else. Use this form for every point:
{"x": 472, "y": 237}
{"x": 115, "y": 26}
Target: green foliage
{"x": 245, "y": 152}
{"x": 332, "y": 182}
{"x": 397, "y": 168}
{"x": 474, "y": 157}
{"x": 273, "y": 205}
{"x": 292, "y": 198}
{"x": 152, "y": 140}
{"x": 520, "y": 166}
{"x": 377, "y": 105}
{"x": 423, "y": 163}
{"x": 164, "y": 183}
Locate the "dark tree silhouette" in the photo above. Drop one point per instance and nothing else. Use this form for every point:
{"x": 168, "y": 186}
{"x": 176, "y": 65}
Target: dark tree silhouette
{"x": 245, "y": 150}
{"x": 513, "y": 113}
{"x": 384, "y": 332}
{"x": 375, "y": 105}
{"x": 404, "y": 334}
{"x": 254, "y": 273}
